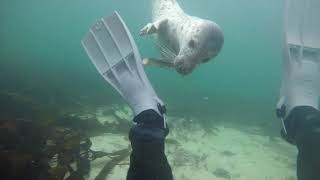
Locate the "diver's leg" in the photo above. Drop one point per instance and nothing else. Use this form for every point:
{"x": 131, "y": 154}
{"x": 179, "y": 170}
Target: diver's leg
{"x": 302, "y": 116}
{"x": 303, "y": 127}
{"x": 302, "y": 122}
{"x": 114, "y": 53}
{"x": 148, "y": 160}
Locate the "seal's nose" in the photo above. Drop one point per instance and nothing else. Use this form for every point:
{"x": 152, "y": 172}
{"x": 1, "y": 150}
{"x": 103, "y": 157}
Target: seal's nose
{"x": 183, "y": 66}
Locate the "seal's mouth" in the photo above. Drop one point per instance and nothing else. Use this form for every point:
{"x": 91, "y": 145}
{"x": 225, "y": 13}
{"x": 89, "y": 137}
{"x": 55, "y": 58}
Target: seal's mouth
{"x": 183, "y": 66}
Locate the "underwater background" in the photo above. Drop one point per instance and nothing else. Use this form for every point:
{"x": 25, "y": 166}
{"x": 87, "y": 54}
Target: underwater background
{"x": 41, "y": 57}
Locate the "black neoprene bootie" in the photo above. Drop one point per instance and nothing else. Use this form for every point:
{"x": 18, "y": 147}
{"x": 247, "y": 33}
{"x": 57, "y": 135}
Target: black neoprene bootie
{"x": 148, "y": 160}
{"x": 303, "y": 127}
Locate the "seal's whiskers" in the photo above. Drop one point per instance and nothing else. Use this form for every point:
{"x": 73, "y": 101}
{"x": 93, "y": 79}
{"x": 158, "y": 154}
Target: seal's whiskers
{"x": 166, "y": 51}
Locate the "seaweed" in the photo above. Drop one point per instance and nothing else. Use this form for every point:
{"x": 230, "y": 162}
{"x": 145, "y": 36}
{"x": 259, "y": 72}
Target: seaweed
{"x": 106, "y": 170}
{"x": 88, "y": 126}
{"x": 38, "y": 143}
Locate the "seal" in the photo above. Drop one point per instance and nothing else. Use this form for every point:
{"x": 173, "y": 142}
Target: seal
{"x": 184, "y": 41}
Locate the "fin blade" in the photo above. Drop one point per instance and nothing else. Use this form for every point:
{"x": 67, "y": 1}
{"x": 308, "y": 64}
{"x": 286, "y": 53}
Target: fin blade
{"x": 111, "y": 48}
{"x": 302, "y": 26}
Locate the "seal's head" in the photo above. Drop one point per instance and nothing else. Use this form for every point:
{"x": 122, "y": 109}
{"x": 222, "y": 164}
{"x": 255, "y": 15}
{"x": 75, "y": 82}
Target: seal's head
{"x": 204, "y": 43}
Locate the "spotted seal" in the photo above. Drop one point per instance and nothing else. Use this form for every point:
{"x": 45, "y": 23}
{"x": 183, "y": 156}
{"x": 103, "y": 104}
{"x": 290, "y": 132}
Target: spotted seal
{"x": 184, "y": 41}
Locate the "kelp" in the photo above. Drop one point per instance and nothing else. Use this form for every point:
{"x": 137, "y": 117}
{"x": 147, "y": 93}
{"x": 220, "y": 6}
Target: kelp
{"x": 106, "y": 170}
{"x": 39, "y": 143}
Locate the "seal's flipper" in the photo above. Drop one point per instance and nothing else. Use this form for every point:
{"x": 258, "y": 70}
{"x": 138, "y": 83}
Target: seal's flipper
{"x": 114, "y": 53}
{"x": 152, "y": 28}
{"x": 158, "y": 62}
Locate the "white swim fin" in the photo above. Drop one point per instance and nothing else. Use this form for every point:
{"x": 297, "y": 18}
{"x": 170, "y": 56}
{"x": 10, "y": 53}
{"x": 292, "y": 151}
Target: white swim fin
{"x": 301, "y": 50}
{"x": 112, "y": 50}
{"x": 301, "y": 23}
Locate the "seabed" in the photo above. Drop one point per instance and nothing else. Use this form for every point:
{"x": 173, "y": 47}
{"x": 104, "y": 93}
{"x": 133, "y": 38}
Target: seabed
{"x": 225, "y": 153}
{"x": 92, "y": 143}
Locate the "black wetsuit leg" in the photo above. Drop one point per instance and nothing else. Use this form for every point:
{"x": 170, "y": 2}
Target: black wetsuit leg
{"x": 303, "y": 127}
{"x": 148, "y": 160}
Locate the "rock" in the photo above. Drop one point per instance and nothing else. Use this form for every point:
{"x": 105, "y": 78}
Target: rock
{"x": 124, "y": 112}
{"x": 222, "y": 173}
{"x": 228, "y": 153}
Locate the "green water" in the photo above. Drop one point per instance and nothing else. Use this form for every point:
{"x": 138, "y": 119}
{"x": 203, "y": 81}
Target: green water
{"x": 41, "y": 55}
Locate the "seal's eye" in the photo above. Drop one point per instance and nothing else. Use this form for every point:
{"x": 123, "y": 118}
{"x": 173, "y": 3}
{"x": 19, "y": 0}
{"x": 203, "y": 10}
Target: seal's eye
{"x": 192, "y": 43}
